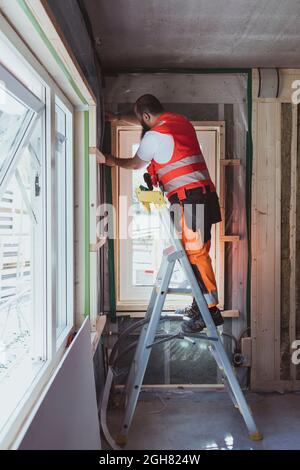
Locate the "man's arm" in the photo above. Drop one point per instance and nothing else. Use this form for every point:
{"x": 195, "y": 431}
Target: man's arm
{"x": 146, "y": 150}
{"x": 128, "y": 163}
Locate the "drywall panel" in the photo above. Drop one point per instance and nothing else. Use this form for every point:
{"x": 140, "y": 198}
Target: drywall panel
{"x": 66, "y": 417}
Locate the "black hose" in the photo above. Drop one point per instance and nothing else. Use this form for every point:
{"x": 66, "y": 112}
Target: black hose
{"x": 123, "y": 335}
{"x": 133, "y": 327}
{"x": 114, "y": 356}
{"x": 231, "y": 337}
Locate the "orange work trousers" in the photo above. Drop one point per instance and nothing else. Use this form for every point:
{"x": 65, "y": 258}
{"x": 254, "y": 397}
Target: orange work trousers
{"x": 198, "y": 254}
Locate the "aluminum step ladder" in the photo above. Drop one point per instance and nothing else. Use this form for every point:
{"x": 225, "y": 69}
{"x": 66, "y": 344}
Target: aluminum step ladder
{"x": 146, "y": 340}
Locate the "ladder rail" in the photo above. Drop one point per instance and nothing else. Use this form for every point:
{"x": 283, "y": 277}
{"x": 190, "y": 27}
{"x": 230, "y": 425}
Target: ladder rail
{"x": 211, "y": 327}
{"x": 144, "y": 328}
{"x": 141, "y": 359}
{"x": 148, "y": 332}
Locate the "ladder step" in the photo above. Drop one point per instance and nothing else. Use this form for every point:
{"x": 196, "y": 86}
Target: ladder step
{"x": 177, "y": 291}
{"x": 185, "y": 336}
{"x": 200, "y": 336}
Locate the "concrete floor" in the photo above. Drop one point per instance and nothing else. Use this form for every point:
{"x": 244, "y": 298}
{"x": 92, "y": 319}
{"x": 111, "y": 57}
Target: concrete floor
{"x": 183, "y": 420}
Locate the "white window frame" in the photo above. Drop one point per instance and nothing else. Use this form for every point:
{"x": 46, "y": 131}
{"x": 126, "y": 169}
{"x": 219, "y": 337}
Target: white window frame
{"x": 54, "y": 349}
{"x": 69, "y": 235}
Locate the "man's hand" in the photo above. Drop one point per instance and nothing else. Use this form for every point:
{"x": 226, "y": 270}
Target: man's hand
{"x": 110, "y": 160}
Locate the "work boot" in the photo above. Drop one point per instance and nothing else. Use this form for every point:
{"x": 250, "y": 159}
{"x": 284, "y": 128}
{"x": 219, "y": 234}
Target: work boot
{"x": 195, "y": 324}
{"x": 216, "y": 316}
{"x": 188, "y": 312}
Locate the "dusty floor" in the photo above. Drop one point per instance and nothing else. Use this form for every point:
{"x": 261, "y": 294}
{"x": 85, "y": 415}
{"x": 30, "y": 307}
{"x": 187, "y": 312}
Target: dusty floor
{"x": 182, "y": 420}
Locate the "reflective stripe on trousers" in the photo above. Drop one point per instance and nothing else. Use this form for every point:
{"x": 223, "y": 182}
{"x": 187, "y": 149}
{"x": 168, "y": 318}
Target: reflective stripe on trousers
{"x": 198, "y": 255}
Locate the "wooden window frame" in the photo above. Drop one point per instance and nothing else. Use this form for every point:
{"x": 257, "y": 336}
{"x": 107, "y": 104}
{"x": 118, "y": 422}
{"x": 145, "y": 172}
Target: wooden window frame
{"x": 123, "y": 124}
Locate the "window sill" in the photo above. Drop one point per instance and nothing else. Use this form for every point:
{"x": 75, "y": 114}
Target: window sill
{"x": 41, "y": 373}
{"x": 15, "y": 387}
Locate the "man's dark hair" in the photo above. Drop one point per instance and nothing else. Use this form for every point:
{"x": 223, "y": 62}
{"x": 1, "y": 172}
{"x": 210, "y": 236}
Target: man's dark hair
{"x": 148, "y": 104}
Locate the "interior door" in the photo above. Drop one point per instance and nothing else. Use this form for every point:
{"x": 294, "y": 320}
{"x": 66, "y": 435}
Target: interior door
{"x": 139, "y": 245}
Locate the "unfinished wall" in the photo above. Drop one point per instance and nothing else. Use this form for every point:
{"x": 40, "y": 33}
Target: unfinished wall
{"x": 210, "y": 97}
{"x": 285, "y": 161}
{"x": 297, "y": 281}
{"x": 275, "y": 307}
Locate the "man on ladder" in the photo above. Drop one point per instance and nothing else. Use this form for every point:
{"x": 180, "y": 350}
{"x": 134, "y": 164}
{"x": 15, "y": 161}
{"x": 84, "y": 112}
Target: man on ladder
{"x": 177, "y": 165}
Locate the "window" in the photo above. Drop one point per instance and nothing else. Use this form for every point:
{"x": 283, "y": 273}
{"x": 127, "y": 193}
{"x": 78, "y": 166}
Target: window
{"x": 140, "y": 255}
{"x": 23, "y": 349}
{"x": 36, "y": 231}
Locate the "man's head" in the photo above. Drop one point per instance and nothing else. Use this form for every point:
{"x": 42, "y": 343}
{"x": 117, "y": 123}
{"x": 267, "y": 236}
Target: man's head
{"x": 147, "y": 109}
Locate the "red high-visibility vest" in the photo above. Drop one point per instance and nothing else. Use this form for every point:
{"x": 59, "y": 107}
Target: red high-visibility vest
{"x": 187, "y": 168}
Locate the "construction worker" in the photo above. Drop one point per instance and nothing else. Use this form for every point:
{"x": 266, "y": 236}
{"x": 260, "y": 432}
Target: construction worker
{"x": 175, "y": 162}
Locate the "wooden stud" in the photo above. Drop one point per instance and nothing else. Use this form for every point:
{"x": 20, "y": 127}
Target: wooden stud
{"x": 277, "y": 246}
{"x": 221, "y": 225}
{"x": 254, "y": 245}
{"x": 230, "y": 238}
{"x": 266, "y": 204}
{"x": 231, "y": 162}
{"x": 230, "y": 313}
{"x": 293, "y": 233}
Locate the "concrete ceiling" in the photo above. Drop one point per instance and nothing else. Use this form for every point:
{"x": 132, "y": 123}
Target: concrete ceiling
{"x": 196, "y": 33}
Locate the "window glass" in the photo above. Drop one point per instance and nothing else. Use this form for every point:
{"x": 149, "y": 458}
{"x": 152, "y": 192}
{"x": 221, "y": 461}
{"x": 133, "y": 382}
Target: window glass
{"x": 22, "y": 275}
{"x": 147, "y": 245}
{"x": 12, "y": 119}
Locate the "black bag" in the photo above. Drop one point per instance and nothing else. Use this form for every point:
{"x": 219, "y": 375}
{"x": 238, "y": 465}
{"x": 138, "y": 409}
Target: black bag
{"x": 213, "y": 207}
{"x": 212, "y": 212}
